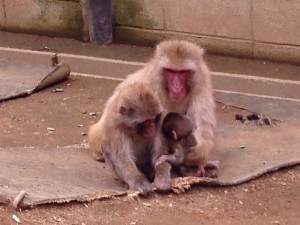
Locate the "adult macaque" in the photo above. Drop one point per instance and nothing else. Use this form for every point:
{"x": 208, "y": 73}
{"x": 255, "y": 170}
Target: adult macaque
{"x": 177, "y": 133}
{"x": 126, "y": 133}
{"x": 181, "y": 78}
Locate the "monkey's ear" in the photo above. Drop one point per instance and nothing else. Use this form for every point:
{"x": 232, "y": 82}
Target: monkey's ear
{"x": 174, "y": 135}
{"x": 122, "y": 110}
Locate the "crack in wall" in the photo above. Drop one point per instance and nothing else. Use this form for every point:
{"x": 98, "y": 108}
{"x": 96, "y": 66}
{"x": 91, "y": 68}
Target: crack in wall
{"x": 4, "y": 13}
{"x": 251, "y": 27}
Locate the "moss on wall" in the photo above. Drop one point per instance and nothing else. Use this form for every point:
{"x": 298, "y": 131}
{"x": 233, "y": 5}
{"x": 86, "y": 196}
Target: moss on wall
{"x": 59, "y": 17}
{"x": 132, "y": 12}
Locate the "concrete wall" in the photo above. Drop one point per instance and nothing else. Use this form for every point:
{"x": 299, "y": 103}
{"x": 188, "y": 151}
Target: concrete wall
{"x": 50, "y": 17}
{"x": 251, "y": 28}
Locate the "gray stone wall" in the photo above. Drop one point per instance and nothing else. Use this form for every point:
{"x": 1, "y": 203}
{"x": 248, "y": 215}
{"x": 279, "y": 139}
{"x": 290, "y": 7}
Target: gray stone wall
{"x": 252, "y": 28}
{"x": 50, "y": 17}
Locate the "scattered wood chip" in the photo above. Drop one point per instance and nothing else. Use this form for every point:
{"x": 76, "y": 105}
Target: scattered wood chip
{"x": 16, "y": 218}
{"x": 242, "y": 146}
{"x": 55, "y": 90}
{"x": 146, "y": 204}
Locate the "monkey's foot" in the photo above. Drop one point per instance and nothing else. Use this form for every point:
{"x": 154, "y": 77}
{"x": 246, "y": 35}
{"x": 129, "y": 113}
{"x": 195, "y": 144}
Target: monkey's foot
{"x": 212, "y": 169}
{"x": 200, "y": 172}
{"x": 142, "y": 186}
{"x": 163, "y": 183}
{"x": 98, "y": 156}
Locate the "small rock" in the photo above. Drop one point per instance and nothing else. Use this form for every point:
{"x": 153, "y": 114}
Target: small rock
{"x": 242, "y": 146}
{"x": 283, "y": 183}
{"x": 58, "y": 90}
{"x": 267, "y": 121}
{"x": 253, "y": 116}
{"x": 146, "y": 204}
{"x": 16, "y": 219}
{"x": 239, "y": 117}
{"x": 50, "y": 129}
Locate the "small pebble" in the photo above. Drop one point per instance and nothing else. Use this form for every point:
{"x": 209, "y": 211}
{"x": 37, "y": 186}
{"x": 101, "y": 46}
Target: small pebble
{"x": 242, "y": 146}
{"x": 146, "y": 204}
{"x": 267, "y": 121}
{"x": 253, "y": 116}
{"x": 16, "y": 219}
{"x": 239, "y": 117}
{"x": 58, "y": 90}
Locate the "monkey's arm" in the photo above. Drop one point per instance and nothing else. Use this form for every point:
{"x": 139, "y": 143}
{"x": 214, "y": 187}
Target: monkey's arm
{"x": 162, "y": 178}
{"x": 126, "y": 169}
{"x": 202, "y": 113}
{"x": 174, "y": 159}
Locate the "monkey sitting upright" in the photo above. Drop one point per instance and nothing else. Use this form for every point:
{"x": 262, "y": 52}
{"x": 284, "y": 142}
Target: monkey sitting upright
{"x": 126, "y": 134}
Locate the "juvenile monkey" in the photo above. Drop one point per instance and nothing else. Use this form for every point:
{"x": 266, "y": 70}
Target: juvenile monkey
{"x": 179, "y": 140}
{"x": 177, "y": 133}
{"x": 126, "y": 133}
{"x": 179, "y": 75}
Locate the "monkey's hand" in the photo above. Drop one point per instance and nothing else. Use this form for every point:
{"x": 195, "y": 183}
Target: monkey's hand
{"x": 163, "y": 179}
{"x": 142, "y": 185}
{"x": 161, "y": 159}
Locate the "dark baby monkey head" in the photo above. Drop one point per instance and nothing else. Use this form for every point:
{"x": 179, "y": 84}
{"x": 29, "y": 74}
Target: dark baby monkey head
{"x": 179, "y": 128}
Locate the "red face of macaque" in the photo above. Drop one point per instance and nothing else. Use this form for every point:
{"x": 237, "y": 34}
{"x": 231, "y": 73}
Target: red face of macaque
{"x": 177, "y": 83}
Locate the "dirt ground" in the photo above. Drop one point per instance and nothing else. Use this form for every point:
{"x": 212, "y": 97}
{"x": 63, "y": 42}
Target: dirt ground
{"x": 271, "y": 199}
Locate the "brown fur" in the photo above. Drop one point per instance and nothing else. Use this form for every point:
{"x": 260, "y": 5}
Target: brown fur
{"x": 125, "y": 148}
{"x": 198, "y": 104}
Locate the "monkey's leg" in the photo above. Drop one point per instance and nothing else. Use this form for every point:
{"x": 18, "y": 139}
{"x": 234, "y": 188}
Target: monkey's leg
{"x": 94, "y": 141}
{"x": 162, "y": 178}
{"x": 185, "y": 171}
{"x": 126, "y": 169}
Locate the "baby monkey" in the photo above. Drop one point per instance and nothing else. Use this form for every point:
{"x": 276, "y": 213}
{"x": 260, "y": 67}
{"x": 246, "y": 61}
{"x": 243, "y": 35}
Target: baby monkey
{"x": 177, "y": 131}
